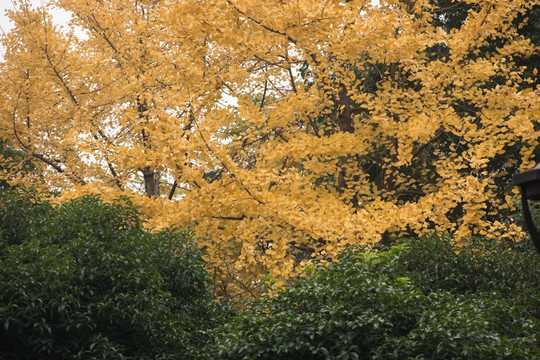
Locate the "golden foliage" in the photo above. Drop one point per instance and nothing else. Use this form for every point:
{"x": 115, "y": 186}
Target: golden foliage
{"x": 280, "y": 131}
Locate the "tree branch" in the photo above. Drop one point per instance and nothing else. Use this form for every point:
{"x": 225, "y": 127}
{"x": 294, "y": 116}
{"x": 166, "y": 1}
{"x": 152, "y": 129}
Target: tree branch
{"x": 260, "y": 23}
{"x": 436, "y": 137}
{"x": 173, "y": 189}
{"x": 236, "y": 218}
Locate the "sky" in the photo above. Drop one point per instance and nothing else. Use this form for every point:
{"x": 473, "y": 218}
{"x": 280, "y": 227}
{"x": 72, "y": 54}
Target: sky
{"x": 4, "y": 23}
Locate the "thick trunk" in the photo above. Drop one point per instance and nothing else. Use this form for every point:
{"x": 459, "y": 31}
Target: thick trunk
{"x": 151, "y": 182}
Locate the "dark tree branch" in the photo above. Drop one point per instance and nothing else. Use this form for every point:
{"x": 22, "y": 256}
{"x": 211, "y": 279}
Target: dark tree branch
{"x": 263, "y": 95}
{"x": 436, "y": 137}
{"x": 236, "y": 218}
{"x": 261, "y": 24}
{"x": 173, "y": 189}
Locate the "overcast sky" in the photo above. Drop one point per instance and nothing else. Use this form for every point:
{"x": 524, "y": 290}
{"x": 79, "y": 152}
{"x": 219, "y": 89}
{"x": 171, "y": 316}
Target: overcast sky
{"x": 58, "y": 15}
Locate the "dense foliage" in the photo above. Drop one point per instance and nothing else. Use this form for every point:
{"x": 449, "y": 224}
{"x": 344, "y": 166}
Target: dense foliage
{"x": 282, "y": 130}
{"x": 84, "y": 280}
{"x": 283, "y": 133}
{"x": 424, "y": 299}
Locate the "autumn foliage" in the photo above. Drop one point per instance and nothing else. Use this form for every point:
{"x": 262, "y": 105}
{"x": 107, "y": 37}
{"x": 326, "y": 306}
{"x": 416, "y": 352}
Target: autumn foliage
{"x": 280, "y": 131}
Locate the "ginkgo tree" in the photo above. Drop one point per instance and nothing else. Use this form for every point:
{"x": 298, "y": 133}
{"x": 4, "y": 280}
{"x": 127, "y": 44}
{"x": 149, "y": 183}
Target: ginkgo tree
{"x": 280, "y": 131}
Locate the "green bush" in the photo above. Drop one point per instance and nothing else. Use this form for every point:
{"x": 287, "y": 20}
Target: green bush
{"x": 84, "y": 280}
{"x": 419, "y": 300}
{"x": 509, "y": 269}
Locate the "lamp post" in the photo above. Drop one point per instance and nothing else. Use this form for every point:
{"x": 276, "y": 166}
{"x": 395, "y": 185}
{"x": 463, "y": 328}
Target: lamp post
{"x": 529, "y": 182}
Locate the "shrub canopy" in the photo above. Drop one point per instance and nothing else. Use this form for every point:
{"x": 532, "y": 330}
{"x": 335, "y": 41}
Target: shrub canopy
{"x": 423, "y": 299}
{"x": 84, "y": 280}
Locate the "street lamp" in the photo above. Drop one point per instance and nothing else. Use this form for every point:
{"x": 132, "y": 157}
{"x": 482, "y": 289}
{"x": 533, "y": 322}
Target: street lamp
{"x": 529, "y": 182}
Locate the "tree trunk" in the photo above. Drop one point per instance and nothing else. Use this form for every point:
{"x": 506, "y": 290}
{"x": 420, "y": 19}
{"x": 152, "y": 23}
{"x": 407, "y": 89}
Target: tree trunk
{"x": 151, "y": 182}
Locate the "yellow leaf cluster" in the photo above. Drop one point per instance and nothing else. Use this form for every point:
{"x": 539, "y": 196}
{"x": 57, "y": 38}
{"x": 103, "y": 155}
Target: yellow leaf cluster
{"x": 280, "y": 131}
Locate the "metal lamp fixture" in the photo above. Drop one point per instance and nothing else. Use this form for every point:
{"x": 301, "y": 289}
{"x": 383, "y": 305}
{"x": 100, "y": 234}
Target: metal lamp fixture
{"x": 529, "y": 182}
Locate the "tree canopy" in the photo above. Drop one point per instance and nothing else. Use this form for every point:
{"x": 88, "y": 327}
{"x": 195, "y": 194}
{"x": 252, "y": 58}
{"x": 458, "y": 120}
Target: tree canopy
{"x": 281, "y": 131}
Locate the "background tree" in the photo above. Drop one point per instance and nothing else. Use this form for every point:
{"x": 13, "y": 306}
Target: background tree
{"x": 16, "y": 168}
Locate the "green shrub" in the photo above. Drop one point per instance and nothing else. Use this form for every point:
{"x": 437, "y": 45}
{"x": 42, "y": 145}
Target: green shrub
{"x": 509, "y": 269}
{"x": 84, "y": 280}
{"x": 419, "y": 300}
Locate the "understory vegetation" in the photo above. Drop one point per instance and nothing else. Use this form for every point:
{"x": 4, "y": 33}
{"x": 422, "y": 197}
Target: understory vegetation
{"x": 84, "y": 279}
